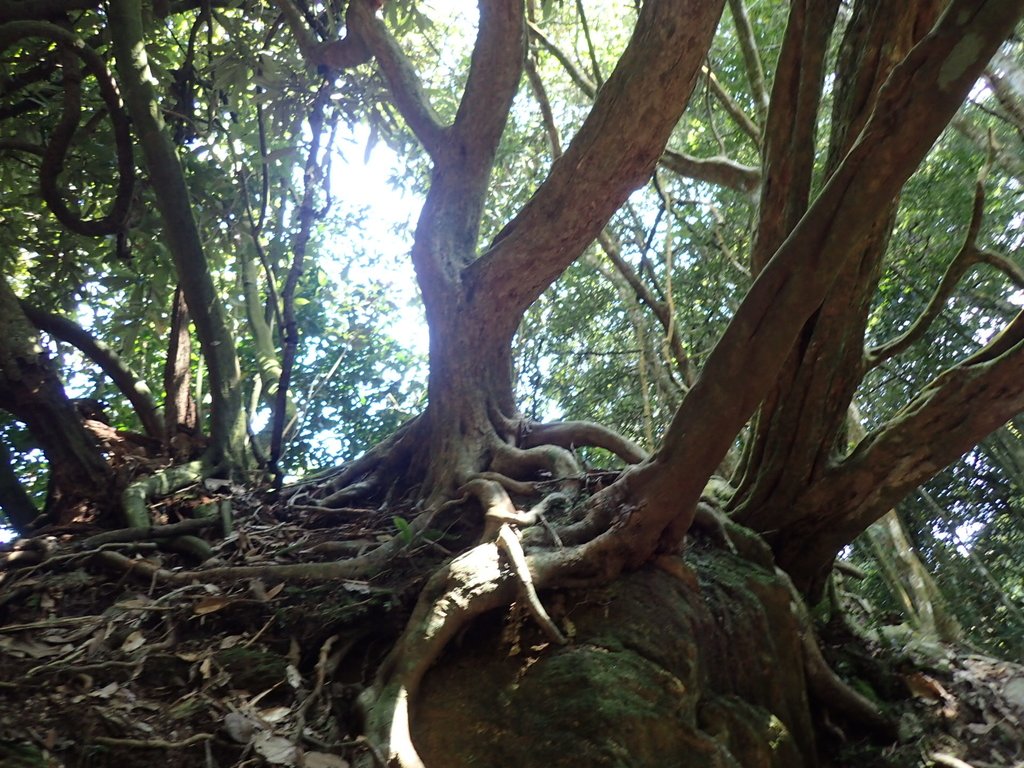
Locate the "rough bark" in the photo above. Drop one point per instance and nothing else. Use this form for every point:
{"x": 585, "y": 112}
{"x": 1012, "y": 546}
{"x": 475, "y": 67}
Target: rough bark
{"x": 653, "y": 504}
{"x": 789, "y": 450}
{"x": 894, "y": 459}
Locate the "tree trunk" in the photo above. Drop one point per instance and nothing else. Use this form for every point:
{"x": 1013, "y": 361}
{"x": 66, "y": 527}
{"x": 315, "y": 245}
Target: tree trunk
{"x": 789, "y": 449}
{"x": 32, "y": 393}
{"x": 926, "y": 608}
{"x": 228, "y": 438}
{"x": 17, "y": 507}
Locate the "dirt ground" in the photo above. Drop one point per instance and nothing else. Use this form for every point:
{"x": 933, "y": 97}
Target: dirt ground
{"x": 104, "y": 663}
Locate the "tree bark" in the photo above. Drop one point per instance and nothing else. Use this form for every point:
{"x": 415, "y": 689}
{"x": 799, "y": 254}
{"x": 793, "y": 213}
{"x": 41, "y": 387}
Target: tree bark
{"x": 32, "y": 393}
{"x": 15, "y": 502}
{"x": 823, "y": 370}
{"x": 131, "y": 386}
{"x": 228, "y": 438}
{"x": 919, "y": 98}
{"x": 180, "y": 412}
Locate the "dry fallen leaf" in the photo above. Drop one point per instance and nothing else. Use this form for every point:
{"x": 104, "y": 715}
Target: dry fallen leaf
{"x": 275, "y": 591}
{"x": 106, "y": 691}
{"x": 239, "y": 727}
{"x": 274, "y": 749}
{"x": 293, "y": 676}
{"x": 133, "y": 642}
{"x": 274, "y": 714}
{"x": 210, "y": 604}
{"x": 924, "y": 687}
{"x": 324, "y": 760}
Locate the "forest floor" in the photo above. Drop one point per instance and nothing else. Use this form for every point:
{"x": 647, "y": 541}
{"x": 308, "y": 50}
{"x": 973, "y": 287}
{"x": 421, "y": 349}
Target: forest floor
{"x": 105, "y": 663}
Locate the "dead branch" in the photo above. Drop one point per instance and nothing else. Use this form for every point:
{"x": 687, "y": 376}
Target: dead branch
{"x": 195, "y": 738}
{"x": 659, "y": 308}
{"x": 581, "y": 80}
{"x": 720, "y": 170}
{"x": 966, "y": 257}
{"x": 732, "y": 108}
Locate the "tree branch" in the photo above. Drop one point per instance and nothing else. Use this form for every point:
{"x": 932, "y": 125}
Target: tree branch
{"x": 494, "y": 71}
{"x": 789, "y": 145}
{"x": 967, "y": 257}
{"x": 940, "y": 425}
{"x": 614, "y": 152}
{"x": 733, "y": 109}
{"x": 751, "y": 57}
{"x": 920, "y": 97}
{"x": 583, "y": 82}
{"x": 547, "y": 116}
{"x": 73, "y": 49}
{"x": 660, "y": 309}
{"x": 715, "y": 170}
{"x": 130, "y": 385}
{"x": 403, "y": 82}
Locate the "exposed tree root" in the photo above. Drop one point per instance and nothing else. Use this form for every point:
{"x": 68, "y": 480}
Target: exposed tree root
{"x": 136, "y": 497}
{"x": 825, "y": 685}
{"x": 471, "y": 584}
{"x": 579, "y": 434}
{"x": 509, "y": 543}
{"x": 522, "y": 456}
{"x": 350, "y": 569}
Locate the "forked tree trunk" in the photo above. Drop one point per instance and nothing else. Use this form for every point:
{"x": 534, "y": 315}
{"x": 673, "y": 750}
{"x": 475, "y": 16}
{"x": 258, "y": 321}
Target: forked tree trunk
{"x": 800, "y": 430}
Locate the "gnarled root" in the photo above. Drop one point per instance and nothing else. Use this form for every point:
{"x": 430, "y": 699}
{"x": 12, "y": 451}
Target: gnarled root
{"x": 490, "y": 575}
{"x": 825, "y": 685}
{"x": 469, "y": 585}
{"x": 577, "y": 434}
{"x": 135, "y": 498}
{"x": 522, "y": 456}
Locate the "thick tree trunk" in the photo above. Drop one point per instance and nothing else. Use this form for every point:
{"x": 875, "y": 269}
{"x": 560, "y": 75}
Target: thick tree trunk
{"x": 32, "y": 393}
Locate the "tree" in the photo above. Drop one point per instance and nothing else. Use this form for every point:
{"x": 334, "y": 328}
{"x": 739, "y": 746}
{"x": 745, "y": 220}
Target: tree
{"x": 791, "y": 356}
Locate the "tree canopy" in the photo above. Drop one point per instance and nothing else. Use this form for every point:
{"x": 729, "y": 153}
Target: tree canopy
{"x": 673, "y": 259}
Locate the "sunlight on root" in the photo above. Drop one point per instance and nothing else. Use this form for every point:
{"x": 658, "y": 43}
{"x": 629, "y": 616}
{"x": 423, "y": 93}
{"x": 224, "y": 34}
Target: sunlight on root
{"x": 508, "y": 542}
{"x": 400, "y": 736}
